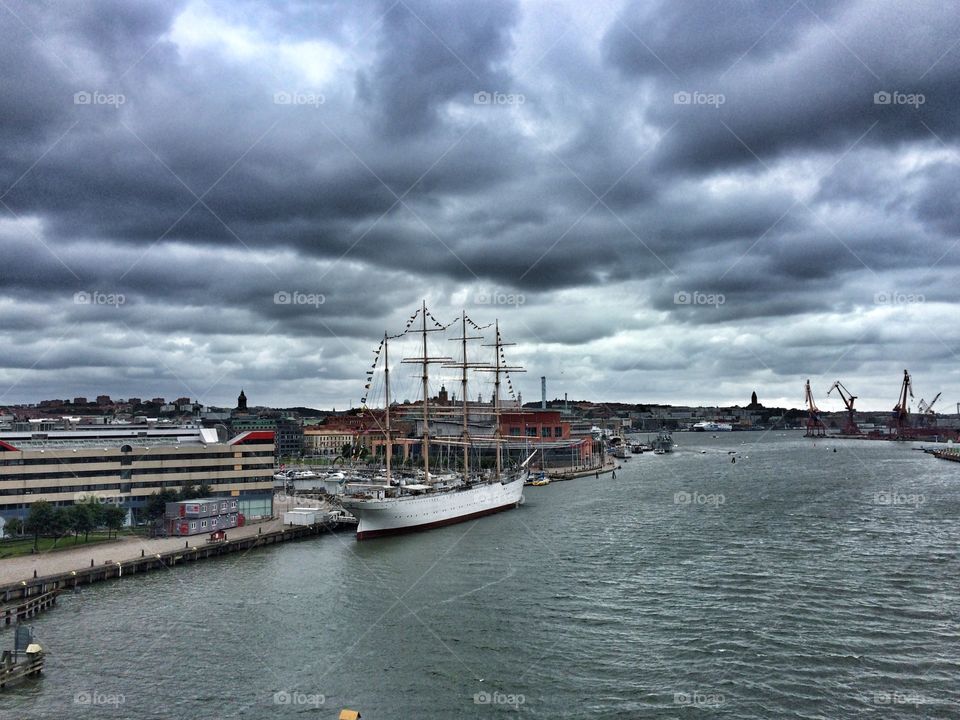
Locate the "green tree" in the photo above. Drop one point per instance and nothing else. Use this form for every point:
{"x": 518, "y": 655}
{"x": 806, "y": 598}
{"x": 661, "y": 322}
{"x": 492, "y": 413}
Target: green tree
{"x": 156, "y": 505}
{"x": 39, "y": 520}
{"x": 114, "y": 517}
{"x": 96, "y": 511}
{"x": 203, "y": 490}
{"x": 60, "y": 523}
{"x": 13, "y": 527}
{"x": 82, "y": 520}
{"x": 188, "y": 492}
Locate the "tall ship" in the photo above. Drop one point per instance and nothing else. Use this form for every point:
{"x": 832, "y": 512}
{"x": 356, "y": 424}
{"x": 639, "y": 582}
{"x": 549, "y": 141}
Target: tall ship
{"x": 394, "y": 503}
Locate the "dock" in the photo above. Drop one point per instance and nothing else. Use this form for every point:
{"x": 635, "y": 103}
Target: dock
{"x": 947, "y": 454}
{"x": 28, "y": 608}
{"x": 195, "y": 549}
{"x": 588, "y": 472}
{"x": 14, "y": 669}
{"x": 24, "y": 661}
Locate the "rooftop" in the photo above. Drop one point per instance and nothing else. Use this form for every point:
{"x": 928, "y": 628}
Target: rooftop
{"x": 107, "y": 436}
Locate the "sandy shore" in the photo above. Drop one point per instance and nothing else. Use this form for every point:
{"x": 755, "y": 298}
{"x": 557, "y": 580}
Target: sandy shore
{"x": 129, "y": 547}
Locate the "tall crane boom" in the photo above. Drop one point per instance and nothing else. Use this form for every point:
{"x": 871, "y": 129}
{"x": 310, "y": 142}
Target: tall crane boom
{"x": 850, "y": 427}
{"x": 901, "y": 411}
{"x": 815, "y": 426}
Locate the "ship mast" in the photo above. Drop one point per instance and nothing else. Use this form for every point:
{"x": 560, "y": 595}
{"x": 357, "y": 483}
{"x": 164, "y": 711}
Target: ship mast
{"x": 463, "y": 394}
{"x": 496, "y": 398}
{"x": 426, "y": 400}
{"x": 386, "y": 382}
{"x": 498, "y": 369}
{"x": 425, "y": 361}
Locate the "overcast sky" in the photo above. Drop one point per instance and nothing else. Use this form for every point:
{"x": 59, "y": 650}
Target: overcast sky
{"x": 660, "y": 200}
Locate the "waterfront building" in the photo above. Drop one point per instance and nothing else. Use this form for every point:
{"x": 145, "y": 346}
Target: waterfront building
{"x": 126, "y": 464}
{"x": 320, "y": 442}
{"x": 545, "y": 424}
{"x": 203, "y": 515}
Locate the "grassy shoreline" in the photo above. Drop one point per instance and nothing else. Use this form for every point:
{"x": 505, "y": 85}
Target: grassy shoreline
{"x": 23, "y": 545}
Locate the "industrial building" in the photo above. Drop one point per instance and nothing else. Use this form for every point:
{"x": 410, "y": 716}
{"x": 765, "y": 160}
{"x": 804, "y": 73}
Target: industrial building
{"x": 126, "y": 464}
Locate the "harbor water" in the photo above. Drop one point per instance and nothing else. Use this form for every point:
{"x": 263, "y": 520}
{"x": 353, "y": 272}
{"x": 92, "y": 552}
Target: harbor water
{"x": 808, "y": 579}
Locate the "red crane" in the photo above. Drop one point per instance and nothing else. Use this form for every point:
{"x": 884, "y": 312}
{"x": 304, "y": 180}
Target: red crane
{"x": 815, "y": 426}
{"x": 901, "y": 411}
{"x": 850, "y": 428}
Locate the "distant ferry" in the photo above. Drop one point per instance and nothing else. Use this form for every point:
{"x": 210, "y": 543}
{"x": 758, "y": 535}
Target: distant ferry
{"x": 712, "y": 427}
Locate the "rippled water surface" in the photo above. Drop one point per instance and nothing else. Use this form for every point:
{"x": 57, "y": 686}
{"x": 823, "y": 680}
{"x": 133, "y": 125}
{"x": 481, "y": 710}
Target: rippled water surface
{"x": 798, "y": 582}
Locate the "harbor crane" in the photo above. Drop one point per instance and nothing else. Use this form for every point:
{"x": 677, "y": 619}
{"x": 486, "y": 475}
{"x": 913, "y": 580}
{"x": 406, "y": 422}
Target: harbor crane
{"x": 901, "y": 411}
{"x": 928, "y": 409}
{"x": 850, "y": 427}
{"x": 927, "y": 415}
{"x": 815, "y": 426}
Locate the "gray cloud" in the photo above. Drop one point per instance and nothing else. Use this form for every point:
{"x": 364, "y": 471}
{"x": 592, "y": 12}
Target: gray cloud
{"x": 825, "y": 220}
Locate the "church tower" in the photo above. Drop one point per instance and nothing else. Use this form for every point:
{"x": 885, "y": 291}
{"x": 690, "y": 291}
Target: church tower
{"x": 242, "y": 402}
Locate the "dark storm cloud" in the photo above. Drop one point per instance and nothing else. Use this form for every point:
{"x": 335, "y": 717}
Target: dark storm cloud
{"x": 592, "y": 194}
{"x": 793, "y": 76}
{"x": 428, "y": 55}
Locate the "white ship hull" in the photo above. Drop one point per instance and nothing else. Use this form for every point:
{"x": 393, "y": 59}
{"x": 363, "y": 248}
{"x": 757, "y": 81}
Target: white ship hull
{"x": 712, "y": 427}
{"x": 409, "y": 513}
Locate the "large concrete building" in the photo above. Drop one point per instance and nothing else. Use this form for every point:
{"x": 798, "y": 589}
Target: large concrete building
{"x": 126, "y": 464}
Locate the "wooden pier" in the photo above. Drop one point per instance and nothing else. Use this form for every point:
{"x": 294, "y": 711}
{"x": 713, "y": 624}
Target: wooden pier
{"x": 13, "y": 670}
{"x": 196, "y": 548}
{"x": 947, "y": 454}
{"x": 28, "y": 608}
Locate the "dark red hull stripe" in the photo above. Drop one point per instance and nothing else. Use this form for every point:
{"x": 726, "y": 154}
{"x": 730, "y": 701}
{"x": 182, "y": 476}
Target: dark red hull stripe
{"x": 369, "y": 534}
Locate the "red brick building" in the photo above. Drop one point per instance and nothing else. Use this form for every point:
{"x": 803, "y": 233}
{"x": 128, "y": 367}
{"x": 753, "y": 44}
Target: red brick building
{"x": 543, "y": 424}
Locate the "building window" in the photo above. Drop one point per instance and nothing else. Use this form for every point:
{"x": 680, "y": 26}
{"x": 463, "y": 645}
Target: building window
{"x": 558, "y": 432}
{"x": 531, "y": 432}
{"x": 545, "y": 432}
{"x": 193, "y": 525}
{"x": 203, "y": 523}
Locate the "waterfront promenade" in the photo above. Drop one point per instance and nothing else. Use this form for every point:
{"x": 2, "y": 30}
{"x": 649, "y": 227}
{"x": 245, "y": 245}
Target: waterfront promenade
{"x": 131, "y": 547}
